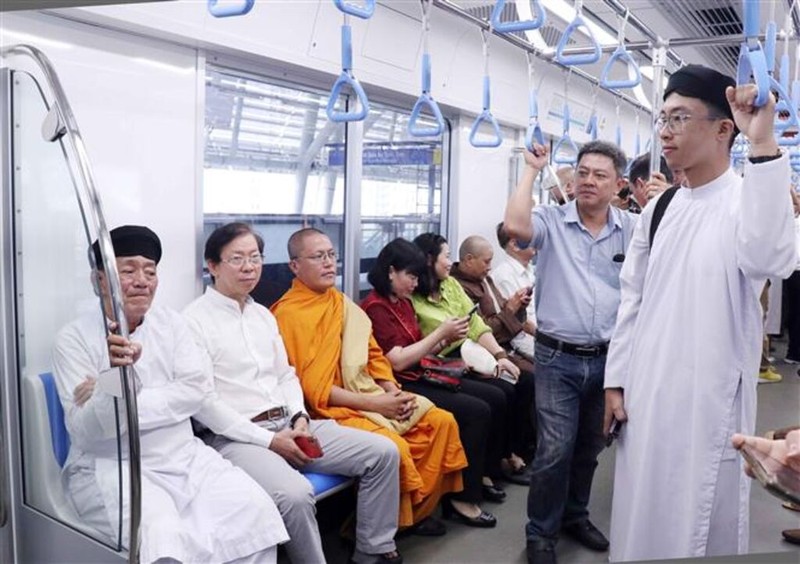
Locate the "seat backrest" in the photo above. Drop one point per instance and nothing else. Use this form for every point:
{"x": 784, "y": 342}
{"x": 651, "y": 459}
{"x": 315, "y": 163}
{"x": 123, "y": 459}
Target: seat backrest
{"x": 55, "y": 414}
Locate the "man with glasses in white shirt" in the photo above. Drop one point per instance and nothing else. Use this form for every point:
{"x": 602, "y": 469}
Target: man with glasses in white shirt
{"x": 257, "y": 418}
{"x": 683, "y": 360}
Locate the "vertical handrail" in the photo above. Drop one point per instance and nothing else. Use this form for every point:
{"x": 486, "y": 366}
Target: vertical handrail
{"x": 91, "y": 210}
{"x": 659, "y": 64}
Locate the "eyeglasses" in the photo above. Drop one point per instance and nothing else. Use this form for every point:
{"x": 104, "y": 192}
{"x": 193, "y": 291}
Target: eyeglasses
{"x": 320, "y": 257}
{"x": 676, "y": 123}
{"x": 237, "y": 261}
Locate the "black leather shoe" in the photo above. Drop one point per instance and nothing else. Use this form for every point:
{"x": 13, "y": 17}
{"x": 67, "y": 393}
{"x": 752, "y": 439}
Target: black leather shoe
{"x": 521, "y": 477}
{"x": 541, "y": 551}
{"x": 484, "y": 521}
{"x": 587, "y": 534}
{"x": 493, "y": 493}
{"x": 429, "y": 527}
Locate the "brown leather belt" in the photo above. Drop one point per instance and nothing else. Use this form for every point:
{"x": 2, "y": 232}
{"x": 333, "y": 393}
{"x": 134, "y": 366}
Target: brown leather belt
{"x": 271, "y": 414}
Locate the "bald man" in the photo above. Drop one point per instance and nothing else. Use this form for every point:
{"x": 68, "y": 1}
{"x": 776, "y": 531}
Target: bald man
{"x": 506, "y": 318}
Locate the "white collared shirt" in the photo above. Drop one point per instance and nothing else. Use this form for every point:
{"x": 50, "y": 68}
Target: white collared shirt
{"x": 510, "y": 276}
{"x": 244, "y": 351}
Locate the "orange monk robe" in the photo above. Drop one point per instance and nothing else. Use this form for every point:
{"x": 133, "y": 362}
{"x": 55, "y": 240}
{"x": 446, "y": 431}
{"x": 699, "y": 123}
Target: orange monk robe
{"x": 431, "y": 454}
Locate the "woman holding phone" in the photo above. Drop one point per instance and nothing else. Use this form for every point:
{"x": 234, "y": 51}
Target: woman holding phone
{"x": 476, "y": 406}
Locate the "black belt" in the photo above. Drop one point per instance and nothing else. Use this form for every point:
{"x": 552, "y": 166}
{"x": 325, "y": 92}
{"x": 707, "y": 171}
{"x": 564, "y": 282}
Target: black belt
{"x": 598, "y": 349}
{"x": 271, "y": 414}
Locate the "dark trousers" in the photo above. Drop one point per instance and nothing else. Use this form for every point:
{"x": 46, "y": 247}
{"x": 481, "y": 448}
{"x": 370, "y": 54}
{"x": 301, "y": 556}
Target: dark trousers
{"x": 791, "y": 294}
{"x": 569, "y": 405}
{"x": 479, "y": 410}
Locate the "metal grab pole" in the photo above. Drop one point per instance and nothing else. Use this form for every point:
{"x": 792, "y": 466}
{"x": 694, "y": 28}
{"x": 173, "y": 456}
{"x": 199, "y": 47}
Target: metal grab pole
{"x": 659, "y": 63}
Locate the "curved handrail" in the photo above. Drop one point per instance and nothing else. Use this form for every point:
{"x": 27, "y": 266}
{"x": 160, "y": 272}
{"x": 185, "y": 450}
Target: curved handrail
{"x": 363, "y": 11}
{"x": 225, "y": 11}
{"x": 486, "y": 117}
{"x": 91, "y": 210}
{"x": 752, "y": 60}
{"x": 346, "y": 78}
{"x": 565, "y": 142}
{"x": 578, "y": 58}
{"x": 538, "y": 20}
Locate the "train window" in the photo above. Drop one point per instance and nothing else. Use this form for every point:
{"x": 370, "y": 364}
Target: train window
{"x": 272, "y": 159}
{"x": 403, "y": 181}
{"x": 53, "y": 288}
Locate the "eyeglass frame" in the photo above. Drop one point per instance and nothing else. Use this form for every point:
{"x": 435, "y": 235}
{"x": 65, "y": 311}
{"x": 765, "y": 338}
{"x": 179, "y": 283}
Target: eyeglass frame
{"x": 668, "y": 121}
{"x": 320, "y": 257}
{"x": 238, "y": 261}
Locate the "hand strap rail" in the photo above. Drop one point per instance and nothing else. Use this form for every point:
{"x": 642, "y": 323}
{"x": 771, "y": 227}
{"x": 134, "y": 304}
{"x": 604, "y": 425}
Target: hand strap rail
{"x": 752, "y": 60}
{"x": 621, "y": 55}
{"x": 226, "y": 11}
{"x": 578, "y": 58}
{"x": 346, "y": 78}
{"x": 486, "y": 115}
{"x": 618, "y": 130}
{"x": 425, "y": 99}
{"x": 350, "y": 8}
{"x": 534, "y": 131}
{"x": 538, "y": 20}
{"x": 92, "y": 214}
{"x": 565, "y": 143}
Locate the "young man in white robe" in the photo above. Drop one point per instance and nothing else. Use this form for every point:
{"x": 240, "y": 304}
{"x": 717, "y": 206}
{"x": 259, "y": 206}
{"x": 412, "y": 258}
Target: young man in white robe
{"x": 683, "y": 362}
{"x": 196, "y": 506}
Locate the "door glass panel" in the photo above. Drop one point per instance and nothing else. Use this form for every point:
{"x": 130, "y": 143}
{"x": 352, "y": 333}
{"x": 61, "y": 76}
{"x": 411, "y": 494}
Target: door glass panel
{"x": 273, "y": 160}
{"x": 77, "y": 476}
{"x": 402, "y": 183}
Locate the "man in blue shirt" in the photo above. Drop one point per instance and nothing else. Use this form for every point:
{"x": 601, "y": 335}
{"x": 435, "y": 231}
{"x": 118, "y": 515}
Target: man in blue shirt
{"x": 581, "y": 247}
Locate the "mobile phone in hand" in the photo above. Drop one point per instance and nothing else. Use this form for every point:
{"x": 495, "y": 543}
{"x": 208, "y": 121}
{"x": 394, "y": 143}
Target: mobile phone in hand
{"x": 473, "y": 310}
{"x": 614, "y": 430}
{"x": 777, "y": 479}
{"x": 507, "y": 376}
{"x": 529, "y": 291}
{"x": 310, "y": 447}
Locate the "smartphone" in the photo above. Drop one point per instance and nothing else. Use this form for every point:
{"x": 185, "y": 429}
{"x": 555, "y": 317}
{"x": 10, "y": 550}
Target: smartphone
{"x": 529, "y": 291}
{"x": 507, "y": 376}
{"x": 310, "y": 447}
{"x": 613, "y": 432}
{"x": 780, "y": 481}
{"x": 473, "y": 310}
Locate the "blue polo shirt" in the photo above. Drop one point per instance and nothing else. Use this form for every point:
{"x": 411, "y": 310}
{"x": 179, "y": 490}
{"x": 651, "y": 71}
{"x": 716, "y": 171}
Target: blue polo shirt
{"x": 577, "y": 284}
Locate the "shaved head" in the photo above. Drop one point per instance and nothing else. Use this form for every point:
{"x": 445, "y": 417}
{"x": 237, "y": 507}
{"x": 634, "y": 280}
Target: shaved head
{"x": 474, "y": 245}
{"x": 298, "y": 238}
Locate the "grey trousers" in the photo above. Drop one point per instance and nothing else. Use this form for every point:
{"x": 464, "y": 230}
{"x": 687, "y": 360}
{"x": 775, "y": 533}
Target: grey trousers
{"x": 370, "y": 457}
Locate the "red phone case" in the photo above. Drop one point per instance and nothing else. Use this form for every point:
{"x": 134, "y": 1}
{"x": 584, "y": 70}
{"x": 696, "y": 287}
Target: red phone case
{"x": 309, "y": 447}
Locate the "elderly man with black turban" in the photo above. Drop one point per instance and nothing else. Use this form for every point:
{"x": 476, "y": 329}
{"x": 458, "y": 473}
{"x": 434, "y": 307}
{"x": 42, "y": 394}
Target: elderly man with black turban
{"x": 196, "y": 506}
{"x": 683, "y": 362}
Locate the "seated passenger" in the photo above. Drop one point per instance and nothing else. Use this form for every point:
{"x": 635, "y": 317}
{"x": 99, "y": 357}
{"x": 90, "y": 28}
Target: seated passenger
{"x": 514, "y": 274}
{"x": 394, "y": 278}
{"x": 439, "y": 297}
{"x": 257, "y": 411}
{"x": 329, "y": 342}
{"x": 505, "y": 318}
{"x": 196, "y": 506}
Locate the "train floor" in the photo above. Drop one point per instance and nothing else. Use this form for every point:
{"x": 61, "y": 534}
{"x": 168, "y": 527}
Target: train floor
{"x": 778, "y": 406}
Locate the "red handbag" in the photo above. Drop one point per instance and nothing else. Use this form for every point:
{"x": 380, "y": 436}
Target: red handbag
{"x": 443, "y": 372}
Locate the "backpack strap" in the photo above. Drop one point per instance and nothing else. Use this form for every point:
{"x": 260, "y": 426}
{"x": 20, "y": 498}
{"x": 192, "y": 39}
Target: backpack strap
{"x": 661, "y": 208}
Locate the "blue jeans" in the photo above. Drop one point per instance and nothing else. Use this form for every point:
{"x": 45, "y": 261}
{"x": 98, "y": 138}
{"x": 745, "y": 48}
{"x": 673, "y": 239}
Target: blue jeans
{"x": 569, "y": 410}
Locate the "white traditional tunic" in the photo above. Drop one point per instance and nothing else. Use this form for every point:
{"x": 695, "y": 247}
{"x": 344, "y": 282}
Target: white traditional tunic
{"x": 196, "y": 506}
{"x": 686, "y": 351}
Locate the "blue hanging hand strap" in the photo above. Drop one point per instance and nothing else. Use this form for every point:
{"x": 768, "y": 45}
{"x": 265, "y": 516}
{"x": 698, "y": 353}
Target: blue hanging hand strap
{"x": 770, "y": 43}
{"x": 538, "y": 20}
{"x": 577, "y": 59}
{"x": 591, "y": 127}
{"x": 621, "y": 55}
{"x": 227, "y": 11}
{"x": 534, "y": 132}
{"x": 752, "y": 60}
{"x": 363, "y": 11}
{"x": 565, "y": 142}
{"x": 425, "y": 100}
{"x": 487, "y": 117}
{"x": 346, "y": 78}
{"x": 781, "y": 125}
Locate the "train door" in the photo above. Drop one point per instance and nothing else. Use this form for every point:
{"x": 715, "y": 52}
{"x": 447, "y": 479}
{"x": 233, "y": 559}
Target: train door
{"x": 48, "y": 219}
